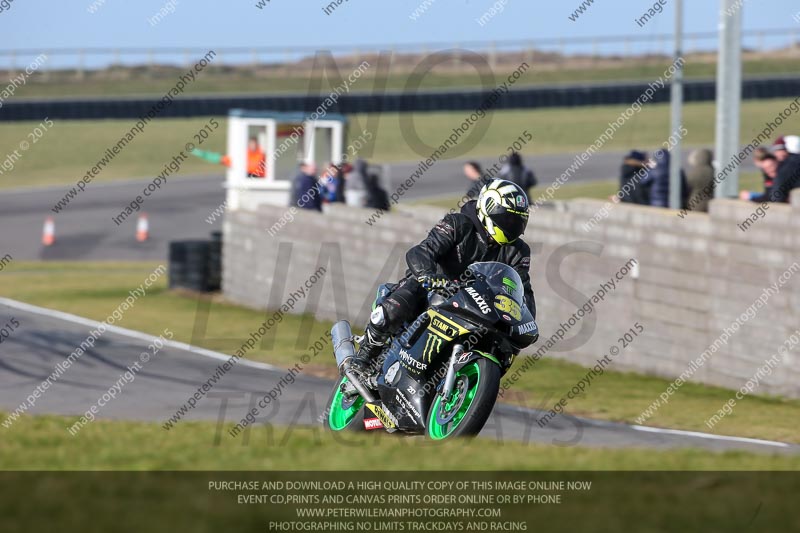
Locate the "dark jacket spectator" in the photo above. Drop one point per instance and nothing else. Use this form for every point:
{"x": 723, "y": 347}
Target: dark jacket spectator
{"x": 769, "y": 169}
{"x": 518, "y": 173}
{"x": 633, "y": 184}
{"x": 340, "y": 183}
{"x": 306, "y": 193}
{"x": 788, "y": 178}
{"x": 659, "y": 177}
{"x": 761, "y": 159}
{"x": 700, "y": 179}
{"x": 377, "y": 197}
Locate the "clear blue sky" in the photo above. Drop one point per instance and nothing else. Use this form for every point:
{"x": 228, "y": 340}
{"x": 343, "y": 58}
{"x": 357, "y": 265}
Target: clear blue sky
{"x": 44, "y": 25}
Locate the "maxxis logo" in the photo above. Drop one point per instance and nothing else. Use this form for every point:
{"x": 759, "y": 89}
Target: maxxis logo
{"x": 484, "y": 307}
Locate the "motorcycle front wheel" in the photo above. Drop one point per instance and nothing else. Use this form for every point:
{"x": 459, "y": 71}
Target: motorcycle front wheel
{"x": 470, "y": 404}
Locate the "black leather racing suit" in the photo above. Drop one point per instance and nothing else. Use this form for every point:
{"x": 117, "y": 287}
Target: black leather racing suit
{"x": 457, "y": 241}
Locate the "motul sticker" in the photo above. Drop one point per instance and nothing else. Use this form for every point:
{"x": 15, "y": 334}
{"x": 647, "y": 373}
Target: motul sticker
{"x": 372, "y": 423}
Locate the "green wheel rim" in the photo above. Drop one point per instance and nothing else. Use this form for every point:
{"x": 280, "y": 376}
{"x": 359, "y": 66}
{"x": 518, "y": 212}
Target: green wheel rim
{"x": 469, "y": 376}
{"x": 342, "y": 412}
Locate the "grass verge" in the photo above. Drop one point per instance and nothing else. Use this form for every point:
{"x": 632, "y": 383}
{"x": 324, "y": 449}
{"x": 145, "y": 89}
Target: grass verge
{"x": 43, "y": 443}
{"x": 70, "y": 148}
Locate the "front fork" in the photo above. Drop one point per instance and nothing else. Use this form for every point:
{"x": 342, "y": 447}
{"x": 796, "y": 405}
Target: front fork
{"x": 450, "y": 377}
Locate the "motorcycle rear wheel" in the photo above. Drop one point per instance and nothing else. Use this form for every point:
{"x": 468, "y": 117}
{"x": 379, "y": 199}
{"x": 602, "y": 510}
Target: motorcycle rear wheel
{"x": 344, "y": 413}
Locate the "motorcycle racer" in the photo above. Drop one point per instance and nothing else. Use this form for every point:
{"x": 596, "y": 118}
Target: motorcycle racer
{"x": 486, "y": 229}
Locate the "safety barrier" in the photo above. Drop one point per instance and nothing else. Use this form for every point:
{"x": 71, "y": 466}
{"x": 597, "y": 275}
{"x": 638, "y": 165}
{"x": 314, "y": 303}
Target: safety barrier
{"x": 431, "y": 101}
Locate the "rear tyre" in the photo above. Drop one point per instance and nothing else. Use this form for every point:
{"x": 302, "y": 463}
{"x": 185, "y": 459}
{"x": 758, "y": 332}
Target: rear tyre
{"x": 344, "y": 413}
{"x": 470, "y": 404}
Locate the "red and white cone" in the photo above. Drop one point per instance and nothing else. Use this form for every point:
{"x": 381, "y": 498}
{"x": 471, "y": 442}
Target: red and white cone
{"x": 49, "y": 232}
{"x": 142, "y": 228}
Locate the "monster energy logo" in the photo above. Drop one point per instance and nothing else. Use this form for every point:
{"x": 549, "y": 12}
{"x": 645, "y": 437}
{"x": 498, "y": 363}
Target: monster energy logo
{"x": 432, "y": 346}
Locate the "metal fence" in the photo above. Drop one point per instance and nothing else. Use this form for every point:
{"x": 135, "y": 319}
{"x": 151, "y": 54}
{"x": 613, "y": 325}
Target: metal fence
{"x": 755, "y": 41}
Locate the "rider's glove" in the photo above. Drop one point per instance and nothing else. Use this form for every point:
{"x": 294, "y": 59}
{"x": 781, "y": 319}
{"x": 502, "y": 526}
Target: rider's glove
{"x": 433, "y": 282}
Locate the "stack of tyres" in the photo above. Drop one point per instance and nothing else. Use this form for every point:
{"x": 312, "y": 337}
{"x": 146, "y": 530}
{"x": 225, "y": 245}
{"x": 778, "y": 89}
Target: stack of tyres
{"x": 214, "y": 264}
{"x": 177, "y": 265}
{"x": 188, "y": 265}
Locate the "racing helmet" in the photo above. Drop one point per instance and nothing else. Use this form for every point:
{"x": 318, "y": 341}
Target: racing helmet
{"x": 503, "y": 210}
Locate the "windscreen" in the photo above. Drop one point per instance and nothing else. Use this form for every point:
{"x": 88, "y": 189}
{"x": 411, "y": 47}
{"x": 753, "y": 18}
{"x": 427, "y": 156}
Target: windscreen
{"x": 501, "y": 278}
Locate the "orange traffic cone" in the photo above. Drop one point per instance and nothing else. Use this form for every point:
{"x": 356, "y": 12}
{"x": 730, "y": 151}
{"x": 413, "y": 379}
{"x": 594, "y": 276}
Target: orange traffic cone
{"x": 142, "y": 228}
{"x": 49, "y": 232}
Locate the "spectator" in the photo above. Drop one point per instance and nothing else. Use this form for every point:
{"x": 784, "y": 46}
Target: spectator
{"x": 377, "y": 197}
{"x": 474, "y": 173}
{"x": 306, "y": 191}
{"x": 516, "y": 172}
{"x": 788, "y": 176}
{"x": 659, "y": 178}
{"x": 632, "y": 179}
{"x": 256, "y": 159}
{"x": 332, "y": 182}
{"x": 344, "y": 169}
{"x": 700, "y": 179}
{"x": 759, "y": 154}
{"x": 761, "y": 159}
{"x": 355, "y": 192}
{"x": 769, "y": 167}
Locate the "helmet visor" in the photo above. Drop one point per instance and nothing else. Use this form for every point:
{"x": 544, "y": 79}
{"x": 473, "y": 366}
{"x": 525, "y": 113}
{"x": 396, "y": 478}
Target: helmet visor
{"x": 510, "y": 226}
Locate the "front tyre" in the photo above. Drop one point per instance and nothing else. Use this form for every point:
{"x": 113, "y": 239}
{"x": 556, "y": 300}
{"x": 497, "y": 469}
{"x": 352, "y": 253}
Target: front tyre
{"x": 344, "y": 413}
{"x": 470, "y": 404}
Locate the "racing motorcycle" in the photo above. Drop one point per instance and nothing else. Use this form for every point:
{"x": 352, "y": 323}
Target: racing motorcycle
{"x": 441, "y": 373}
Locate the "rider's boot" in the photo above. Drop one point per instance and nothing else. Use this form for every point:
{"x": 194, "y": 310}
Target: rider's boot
{"x": 374, "y": 341}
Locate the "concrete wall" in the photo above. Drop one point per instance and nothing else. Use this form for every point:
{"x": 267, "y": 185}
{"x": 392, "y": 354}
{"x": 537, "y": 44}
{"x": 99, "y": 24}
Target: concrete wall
{"x": 695, "y": 276}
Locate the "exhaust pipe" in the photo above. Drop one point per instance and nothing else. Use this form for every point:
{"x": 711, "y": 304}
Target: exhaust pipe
{"x": 344, "y": 350}
{"x": 450, "y": 377}
{"x": 343, "y": 347}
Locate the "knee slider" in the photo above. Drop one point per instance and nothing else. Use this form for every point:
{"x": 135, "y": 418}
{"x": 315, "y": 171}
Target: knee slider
{"x": 378, "y": 317}
{"x": 390, "y": 314}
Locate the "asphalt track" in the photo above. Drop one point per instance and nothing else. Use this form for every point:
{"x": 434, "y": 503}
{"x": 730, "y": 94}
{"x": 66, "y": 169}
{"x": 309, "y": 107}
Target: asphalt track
{"x": 85, "y": 230}
{"x": 44, "y": 338}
